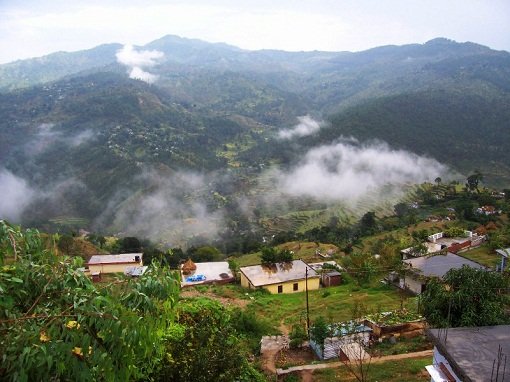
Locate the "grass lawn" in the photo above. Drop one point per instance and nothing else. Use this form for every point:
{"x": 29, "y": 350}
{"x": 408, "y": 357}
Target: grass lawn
{"x": 304, "y": 250}
{"x": 335, "y": 304}
{"x": 482, "y": 255}
{"x": 408, "y": 370}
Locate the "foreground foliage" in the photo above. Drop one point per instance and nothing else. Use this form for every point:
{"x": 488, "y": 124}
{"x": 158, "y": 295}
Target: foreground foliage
{"x": 203, "y": 345}
{"x": 467, "y": 297}
{"x": 55, "y": 322}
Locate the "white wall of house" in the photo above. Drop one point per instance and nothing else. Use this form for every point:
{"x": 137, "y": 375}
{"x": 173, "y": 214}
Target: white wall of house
{"x": 434, "y": 370}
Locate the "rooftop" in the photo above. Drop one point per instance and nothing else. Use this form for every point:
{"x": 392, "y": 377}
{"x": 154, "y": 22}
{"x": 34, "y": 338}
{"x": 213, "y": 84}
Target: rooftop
{"x": 472, "y": 351}
{"x": 504, "y": 252}
{"x": 115, "y": 259}
{"x": 431, "y": 248}
{"x": 438, "y": 265}
{"x": 213, "y": 271}
{"x": 277, "y": 273}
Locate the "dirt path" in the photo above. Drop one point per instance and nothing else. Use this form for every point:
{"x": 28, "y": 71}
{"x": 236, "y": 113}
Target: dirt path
{"x": 284, "y": 329}
{"x": 310, "y": 368}
{"x": 268, "y": 361}
{"x": 307, "y": 376}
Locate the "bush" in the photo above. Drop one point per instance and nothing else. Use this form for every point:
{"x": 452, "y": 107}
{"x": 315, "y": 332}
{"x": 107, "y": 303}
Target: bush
{"x": 297, "y": 336}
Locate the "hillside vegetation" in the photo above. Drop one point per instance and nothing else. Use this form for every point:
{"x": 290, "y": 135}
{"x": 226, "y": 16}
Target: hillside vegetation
{"x": 89, "y": 142}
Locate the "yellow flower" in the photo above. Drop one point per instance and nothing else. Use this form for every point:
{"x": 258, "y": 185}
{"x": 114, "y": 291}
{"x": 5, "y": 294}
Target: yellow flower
{"x": 72, "y": 325}
{"x": 77, "y": 351}
{"x": 44, "y": 337}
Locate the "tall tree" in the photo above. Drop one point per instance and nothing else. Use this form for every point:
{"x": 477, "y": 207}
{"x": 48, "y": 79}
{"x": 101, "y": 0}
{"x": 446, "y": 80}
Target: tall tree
{"x": 473, "y": 181}
{"x": 467, "y": 297}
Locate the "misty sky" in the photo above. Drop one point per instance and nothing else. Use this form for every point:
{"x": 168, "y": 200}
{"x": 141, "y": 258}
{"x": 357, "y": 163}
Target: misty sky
{"x": 33, "y": 28}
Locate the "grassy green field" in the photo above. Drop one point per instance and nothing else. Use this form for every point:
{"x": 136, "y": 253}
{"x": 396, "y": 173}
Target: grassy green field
{"x": 482, "y": 255}
{"x": 336, "y": 304}
{"x": 404, "y": 370}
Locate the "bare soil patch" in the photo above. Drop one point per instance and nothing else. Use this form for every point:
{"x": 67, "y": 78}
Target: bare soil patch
{"x": 227, "y": 301}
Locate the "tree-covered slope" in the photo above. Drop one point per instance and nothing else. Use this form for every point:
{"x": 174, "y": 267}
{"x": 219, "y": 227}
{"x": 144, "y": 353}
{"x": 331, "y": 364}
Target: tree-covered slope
{"x": 463, "y": 129}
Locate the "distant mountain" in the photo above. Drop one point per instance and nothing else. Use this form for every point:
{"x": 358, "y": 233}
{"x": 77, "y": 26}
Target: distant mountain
{"x": 25, "y": 73}
{"x": 76, "y": 121}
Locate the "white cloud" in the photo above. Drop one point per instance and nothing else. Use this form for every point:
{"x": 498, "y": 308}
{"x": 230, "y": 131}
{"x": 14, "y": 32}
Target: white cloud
{"x": 16, "y": 195}
{"x": 137, "y": 60}
{"x": 140, "y": 74}
{"x": 46, "y": 136}
{"x": 172, "y": 208}
{"x": 306, "y": 126}
{"x": 348, "y": 172}
{"x": 144, "y": 58}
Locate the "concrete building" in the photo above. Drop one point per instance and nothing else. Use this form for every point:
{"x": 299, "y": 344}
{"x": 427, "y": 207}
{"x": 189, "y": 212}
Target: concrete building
{"x": 114, "y": 263}
{"x": 280, "y": 277}
{"x": 505, "y": 254}
{"x": 470, "y": 354}
{"x": 420, "y": 269}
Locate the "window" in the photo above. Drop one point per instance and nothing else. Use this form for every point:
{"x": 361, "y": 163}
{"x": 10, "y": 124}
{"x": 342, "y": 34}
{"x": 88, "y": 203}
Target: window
{"x": 295, "y": 286}
{"x": 280, "y": 288}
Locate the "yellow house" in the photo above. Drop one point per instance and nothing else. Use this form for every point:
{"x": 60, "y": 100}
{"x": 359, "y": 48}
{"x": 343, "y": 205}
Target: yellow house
{"x": 288, "y": 277}
{"x": 114, "y": 263}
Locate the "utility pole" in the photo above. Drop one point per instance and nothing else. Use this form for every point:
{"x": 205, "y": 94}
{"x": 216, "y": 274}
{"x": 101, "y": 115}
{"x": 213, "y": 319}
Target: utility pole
{"x": 307, "y": 307}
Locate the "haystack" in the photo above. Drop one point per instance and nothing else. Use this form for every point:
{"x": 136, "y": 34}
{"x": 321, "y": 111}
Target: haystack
{"x": 188, "y": 267}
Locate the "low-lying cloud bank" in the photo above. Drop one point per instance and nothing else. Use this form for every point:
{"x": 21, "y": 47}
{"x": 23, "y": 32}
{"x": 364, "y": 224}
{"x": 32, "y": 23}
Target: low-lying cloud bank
{"x": 172, "y": 207}
{"x": 47, "y": 136}
{"x": 306, "y": 126}
{"x": 348, "y": 172}
{"x": 16, "y": 195}
{"x": 137, "y": 61}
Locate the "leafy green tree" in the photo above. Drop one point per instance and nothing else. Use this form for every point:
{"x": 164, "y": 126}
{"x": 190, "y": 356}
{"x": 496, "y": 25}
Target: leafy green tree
{"x": 466, "y": 297}
{"x": 367, "y": 223}
{"x": 268, "y": 255}
{"x": 203, "y": 345}
{"x": 320, "y": 331}
{"x": 362, "y": 266}
{"x": 297, "y": 336}
{"x": 55, "y": 323}
{"x": 473, "y": 181}
{"x": 465, "y": 209}
{"x": 401, "y": 209}
{"x": 66, "y": 245}
{"x": 271, "y": 255}
{"x": 205, "y": 253}
{"x": 130, "y": 245}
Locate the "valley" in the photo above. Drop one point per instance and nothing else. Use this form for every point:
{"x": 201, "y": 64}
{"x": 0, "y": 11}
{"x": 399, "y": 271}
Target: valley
{"x": 167, "y": 210}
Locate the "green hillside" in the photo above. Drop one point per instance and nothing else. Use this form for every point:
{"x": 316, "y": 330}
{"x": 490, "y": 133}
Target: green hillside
{"x": 88, "y": 141}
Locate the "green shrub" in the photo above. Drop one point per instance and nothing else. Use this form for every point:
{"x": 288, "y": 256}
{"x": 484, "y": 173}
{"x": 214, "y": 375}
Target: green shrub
{"x": 297, "y": 336}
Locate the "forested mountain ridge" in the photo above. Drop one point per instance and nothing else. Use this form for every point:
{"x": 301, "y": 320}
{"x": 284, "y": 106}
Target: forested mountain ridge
{"x": 77, "y": 122}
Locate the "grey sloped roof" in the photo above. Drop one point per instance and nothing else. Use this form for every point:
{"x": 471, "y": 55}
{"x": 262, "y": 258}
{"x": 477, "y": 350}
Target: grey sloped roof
{"x": 472, "y": 351}
{"x": 504, "y": 252}
{"x": 438, "y": 265}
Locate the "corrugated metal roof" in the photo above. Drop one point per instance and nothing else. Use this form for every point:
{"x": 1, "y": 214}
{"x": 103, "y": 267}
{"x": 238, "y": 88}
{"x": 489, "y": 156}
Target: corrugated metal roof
{"x": 438, "y": 265}
{"x": 115, "y": 259}
{"x": 277, "y": 273}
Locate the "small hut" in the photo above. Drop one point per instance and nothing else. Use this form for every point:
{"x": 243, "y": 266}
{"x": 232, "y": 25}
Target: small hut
{"x": 188, "y": 267}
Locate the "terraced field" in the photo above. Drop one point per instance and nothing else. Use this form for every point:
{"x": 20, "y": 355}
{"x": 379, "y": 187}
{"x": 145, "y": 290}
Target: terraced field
{"x": 381, "y": 202}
